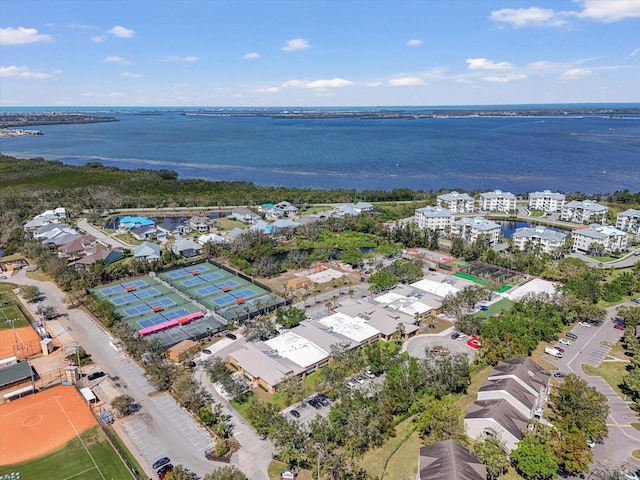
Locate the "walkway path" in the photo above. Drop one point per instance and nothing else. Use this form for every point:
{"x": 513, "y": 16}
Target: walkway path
{"x": 84, "y": 225}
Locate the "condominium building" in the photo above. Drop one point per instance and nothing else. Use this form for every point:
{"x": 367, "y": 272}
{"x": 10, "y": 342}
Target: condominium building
{"x": 609, "y": 237}
{"x": 585, "y": 211}
{"x": 629, "y": 221}
{"x": 434, "y": 218}
{"x": 538, "y": 238}
{"x": 457, "y": 202}
{"x": 469, "y": 229}
{"x": 498, "y": 201}
{"x": 547, "y": 201}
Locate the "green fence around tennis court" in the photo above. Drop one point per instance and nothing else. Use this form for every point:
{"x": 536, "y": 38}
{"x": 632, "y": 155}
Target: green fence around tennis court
{"x": 473, "y": 278}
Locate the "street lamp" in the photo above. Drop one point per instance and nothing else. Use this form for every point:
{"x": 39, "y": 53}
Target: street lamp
{"x": 320, "y": 453}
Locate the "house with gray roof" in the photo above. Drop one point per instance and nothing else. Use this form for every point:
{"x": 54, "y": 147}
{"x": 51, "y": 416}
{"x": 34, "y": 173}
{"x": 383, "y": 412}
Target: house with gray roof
{"x": 585, "y": 211}
{"x": 469, "y": 229}
{"x": 609, "y": 237}
{"x": 512, "y": 391}
{"x": 629, "y": 221}
{"x": 245, "y": 215}
{"x": 363, "y": 207}
{"x": 147, "y": 251}
{"x": 434, "y": 218}
{"x": 186, "y": 247}
{"x": 346, "y": 209}
{"x": 283, "y": 223}
{"x": 498, "y": 201}
{"x": 199, "y": 223}
{"x": 285, "y": 209}
{"x": 544, "y": 239}
{"x": 457, "y": 202}
{"x": 261, "y": 368}
{"x": 496, "y": 418}
{"x": 449, "y": 460}
{"x": 526, "y": 372}
{"x": 546, "y": 201}
{"x": 142, "y": 233}
{"x": 47, "y": 217}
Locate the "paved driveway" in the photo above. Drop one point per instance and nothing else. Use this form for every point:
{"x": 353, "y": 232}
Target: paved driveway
{"x": 416, "y": 346}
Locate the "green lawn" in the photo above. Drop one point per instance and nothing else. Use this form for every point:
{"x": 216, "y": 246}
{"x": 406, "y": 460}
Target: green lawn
{"x": 612, "y": 372}
{"x": 73, "y": 460}
{"x": 494, "y": 308}
{"x": 9, "y": 309}
{"x": 536, "y": 213}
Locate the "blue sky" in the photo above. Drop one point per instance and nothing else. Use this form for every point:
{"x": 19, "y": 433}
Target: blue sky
{"x": 318, "y": 53}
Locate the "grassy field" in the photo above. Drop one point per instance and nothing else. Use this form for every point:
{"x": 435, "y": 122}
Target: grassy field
{"x": 9, "y": 309}
{"x": 95, "y": 462}
{"x": 494, "y": 308}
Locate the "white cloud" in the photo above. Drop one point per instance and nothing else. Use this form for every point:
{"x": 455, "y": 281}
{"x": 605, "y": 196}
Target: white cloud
{"x": 332, "y": 83}
{"x": 296, "y": 44}
{"x": 118, "y": 60}
{"x": 414, "y": 42}
{"x": 21, "y": 35}
{"x": 406, "y": 82}
{"x": 121, "y": 32}
{"x": 98, "y": 39}
{"x": 574, "y": 74}
{"x": 505, "y": 78}
{"x": 103, "y": 95}
{"x": 23, "y": 71}
{"x": 249, "y": 56}
{"x": 131, "y": 75}
{"x": 174, "y": 58}
{"x": 636, "y": 52}
{"x": 531, "y": 17}
{"x": 610, "y": 10}
{"x": 485, "y": 64}
{"x": 541, "y": 65}
{"x": 267, "y": 90}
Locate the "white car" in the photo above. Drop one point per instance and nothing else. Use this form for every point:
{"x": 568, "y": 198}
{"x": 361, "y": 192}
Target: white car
{"x": 564, "y": 341}
{"x": 584, "y": 324}
{"x": 350, "y": 385}
{"x": 462, "y": 337}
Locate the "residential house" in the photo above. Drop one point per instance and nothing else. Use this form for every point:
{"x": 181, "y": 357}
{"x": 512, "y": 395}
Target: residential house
{"x": 127, "y": 223}
{"x": 346, "y": 209}
{"x": 546, "y": 201}
{"x": 211, "y": 237}
{"x": 186, "y": 248}
{"x": 285, "y": 209}
{"x": 498, "y": 201}
{"x": 449, "y": 460}
{"x": 99, "y": 253}
{"x": 143, "y": 233}
{"x": 77, "y": 247}
{"x": 262, "y": 227}
{"x": 246, "y": 216}
{"x": 283, "y": 223}
{"x": 457, "y": 202}
{"x": 584, "y": 211}
{"x": 434, "y": 218}
{"x": 610, "y": 238}
{"x": 543, "y": 239}
{"x": 363, "y": 207}
{"x": 496, "y": 418}
{"x": 147, "y": 251}
{"x": 469, "y": 229}
{"x": 174, "y": 229}
{"x": 199, "y": 224}
{"x": 46, "y": 218}
{"x": 47, "y": 233}
{"x": 629, "y": 221}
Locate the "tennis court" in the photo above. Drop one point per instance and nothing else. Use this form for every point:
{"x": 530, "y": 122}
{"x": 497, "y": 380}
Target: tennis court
{"x": 192, "y": 282}
{"x": 136, "y": 310}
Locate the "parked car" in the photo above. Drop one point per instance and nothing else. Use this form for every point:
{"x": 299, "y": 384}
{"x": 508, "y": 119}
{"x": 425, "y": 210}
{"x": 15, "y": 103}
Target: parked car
{"x": 232, "y": 336}
{"x": 635, "y": 300}
{"x": 350, "y": 385}
{"x": 206, "y": 351}
{"x": 369, "y": 374}
{"x": 462, "y": 337}
{"x": 584, "y": 324}
{"x": 160, "y": 463}
{"x": 559, "y": 374}
{"x": 294, "y": 413}
{"x": 315, "y": 403}
{"x": 360, "y": 380}
{"x": 473, "y": 342}
{"x": 165, "y": 470}
{"x": 572, "y": 335}
{"x": 455, "y": 335}
{"x": 3, "y": 277}
{"x": 323, "y": 399}
{"x": 619, "y": 326}
{"x": 94, "y": 375}
{"x": 564, "y": 341}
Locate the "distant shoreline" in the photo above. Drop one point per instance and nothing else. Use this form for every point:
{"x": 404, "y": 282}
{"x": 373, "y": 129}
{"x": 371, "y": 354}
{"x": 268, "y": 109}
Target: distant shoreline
{"x": 48, "y": 118}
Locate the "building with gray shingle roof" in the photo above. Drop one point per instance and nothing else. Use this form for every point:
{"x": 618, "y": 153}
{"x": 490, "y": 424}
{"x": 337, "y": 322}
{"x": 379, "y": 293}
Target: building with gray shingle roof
{"x": 629, "y": 221}
{"x": 457, "y": 202}
{"x": 609, "y": 237}
{"x": 542, "y": 238}
{"x": 546, "y": 201}
{"x": 498, "y": 201}
{"x": 147, "y": 251}
{"x": 469, "y": 229}
{"x": 434, "y": 218}
{"x": 585, "y": 211}
{"x": 496, "y": 418}
{"x": 449, "y": 460}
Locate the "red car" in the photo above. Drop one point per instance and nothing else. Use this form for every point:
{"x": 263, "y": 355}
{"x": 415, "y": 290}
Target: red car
{"x": 618, "y": 326}
{"x": 474, "y": 342}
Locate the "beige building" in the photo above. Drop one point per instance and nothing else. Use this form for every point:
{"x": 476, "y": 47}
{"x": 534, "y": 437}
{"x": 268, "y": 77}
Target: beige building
{"x": 498, "y": 201}
{"x": 457, "y": 202}
{"x": 547, "y": 201}
{"x": 434, "y": 218}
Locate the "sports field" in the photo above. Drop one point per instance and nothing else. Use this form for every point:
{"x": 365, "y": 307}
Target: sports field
{"x": 10, "y": 314}
{"x": 21, "y": 342}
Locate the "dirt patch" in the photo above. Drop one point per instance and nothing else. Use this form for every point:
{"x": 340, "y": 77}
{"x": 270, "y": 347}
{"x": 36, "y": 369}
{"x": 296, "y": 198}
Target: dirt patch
{"x": 44, "y": 422}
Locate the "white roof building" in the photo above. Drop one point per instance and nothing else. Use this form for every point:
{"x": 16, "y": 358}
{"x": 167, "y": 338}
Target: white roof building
{"x": 457, "y": 202}
{"x": 547, "y": 201}
{"x": 546, "y": 239}
{"x": 355, "y": 329}
{"x": 629, "y": 221}
{"x": 469, "y": 229}
{"x": 434, "y": 218}
{"x": 299, "y": 350}
{"x": 498, "y": 201}
{"x": 435, "y": 288}
{"x": 403, "y": 304}
{"x": 585, "y": 211}
{"x": 610, "y": 237}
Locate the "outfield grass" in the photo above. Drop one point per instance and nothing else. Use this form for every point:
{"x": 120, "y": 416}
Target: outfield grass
{"x": 72, "y": 460}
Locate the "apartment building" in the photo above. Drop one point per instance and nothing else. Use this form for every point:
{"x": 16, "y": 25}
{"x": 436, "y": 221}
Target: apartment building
{"x": 497, "y": 201}
{"x": 469, "y": 229}
{"x": 609, "y": 237}
{"x": 629, "y": 221}
{"x": 538, "y": 238}
{"x": 547, "y": 201}
{"x": 434, "y": 218}
{"x": 457, "y": 202}
{"x": 585, "y": 211}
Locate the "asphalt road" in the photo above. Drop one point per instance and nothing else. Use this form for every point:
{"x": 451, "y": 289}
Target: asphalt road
{"x": 589, "y": 349}
{"x": 85, "y": 226}
{"x": 161, "y": 427}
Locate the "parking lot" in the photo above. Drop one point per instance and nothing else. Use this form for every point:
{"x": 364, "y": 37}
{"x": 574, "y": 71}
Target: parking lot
{"x": 417, "y": 346}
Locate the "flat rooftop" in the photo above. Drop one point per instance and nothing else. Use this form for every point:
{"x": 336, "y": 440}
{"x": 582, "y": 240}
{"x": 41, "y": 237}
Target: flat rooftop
{"x": 299, "y": 350}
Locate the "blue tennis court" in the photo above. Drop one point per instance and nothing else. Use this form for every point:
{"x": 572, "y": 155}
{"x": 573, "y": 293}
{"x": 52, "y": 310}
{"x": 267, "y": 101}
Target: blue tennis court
{"x": 227, "y": 283}
{"x": 175, "y": 274}
{"x": 151, "y": 321}
{"x": 223, "y": 300}
{"x": 190, "y": 282}
{"x": 124, "y": 299}
{"x": 208, "y": 290}
{"x": 177, "y": 313}
{"x": 163, "y": 302}
{"x": 136, "y": 283}
{"x": 210, "y": 277}
{"x": 245, "y": 293}
{"x": 147, "y": 293}
{"x": 112, "y": 290}
{"x": 137, "y": 310}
